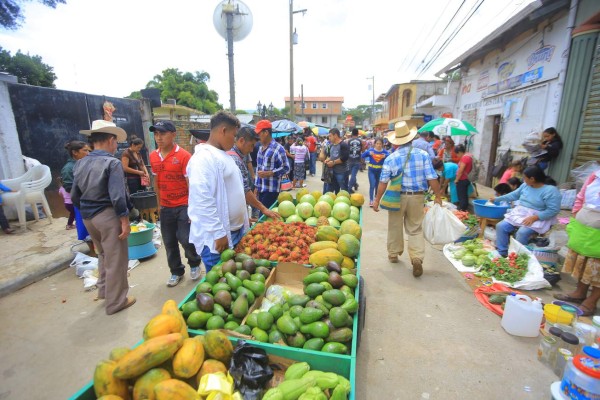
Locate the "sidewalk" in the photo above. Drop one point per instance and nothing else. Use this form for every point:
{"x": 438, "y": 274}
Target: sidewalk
{"x": 41, "y": 250}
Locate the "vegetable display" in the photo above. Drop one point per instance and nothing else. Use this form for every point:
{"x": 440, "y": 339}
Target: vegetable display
{"x": 510, "y": 269}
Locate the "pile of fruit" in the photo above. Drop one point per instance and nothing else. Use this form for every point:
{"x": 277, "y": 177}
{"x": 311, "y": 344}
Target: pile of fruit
{"x": 510, "y": 269}
{"x": 471, "y": 253}
{"x": 228, "y": 291}
{"x": 339, "y": 245}
{"x": 321, "y": 319}
{"x": 170, "y": 365}
{"x": 303, "y": 384}
{"x": 315, "y": 209}
{"x": 278, "y": 241}
{"x": 138, "y": 227}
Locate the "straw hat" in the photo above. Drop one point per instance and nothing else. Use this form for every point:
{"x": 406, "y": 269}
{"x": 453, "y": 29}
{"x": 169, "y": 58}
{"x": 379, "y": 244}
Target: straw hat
{"x": 401, "y": 134}
{"x": 101, "y": 126}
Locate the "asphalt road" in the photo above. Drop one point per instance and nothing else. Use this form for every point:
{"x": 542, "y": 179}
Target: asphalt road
{"x": 425, "y": 338}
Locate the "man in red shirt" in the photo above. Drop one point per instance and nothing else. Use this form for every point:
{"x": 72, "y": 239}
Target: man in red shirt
{"x": 169, "y": 163}
{"x": 311, "y": 142}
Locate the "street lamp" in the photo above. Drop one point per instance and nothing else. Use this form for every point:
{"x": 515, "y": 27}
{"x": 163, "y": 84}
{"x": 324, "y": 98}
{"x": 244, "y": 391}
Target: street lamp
{"x": 271, "y": 109}
{"x": 372, "y": 104}
{"x": 293, "y": 41}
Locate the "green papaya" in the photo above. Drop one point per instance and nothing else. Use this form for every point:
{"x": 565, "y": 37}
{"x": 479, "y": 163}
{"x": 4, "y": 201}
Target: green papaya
{"x": 297, "y": 370}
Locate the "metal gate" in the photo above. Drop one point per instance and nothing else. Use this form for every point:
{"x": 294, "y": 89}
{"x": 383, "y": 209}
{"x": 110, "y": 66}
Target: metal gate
{"x": 589, "y": 141}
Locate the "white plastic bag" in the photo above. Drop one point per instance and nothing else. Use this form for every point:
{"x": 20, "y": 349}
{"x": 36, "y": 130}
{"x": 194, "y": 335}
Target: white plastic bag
{"x": 441, "y": 226}
{"x": 567, "y": 198}
{"x": 82, "y": 263}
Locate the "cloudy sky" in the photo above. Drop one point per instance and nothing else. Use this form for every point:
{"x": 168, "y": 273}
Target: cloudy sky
{"x": 113, "y": 47}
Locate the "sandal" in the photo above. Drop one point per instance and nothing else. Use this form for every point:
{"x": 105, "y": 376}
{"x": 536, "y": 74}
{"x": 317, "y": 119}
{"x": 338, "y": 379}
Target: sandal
{"x": 587, "y": 312}
{"x": 393, "y": 259}
{"x": 568, "y": 299}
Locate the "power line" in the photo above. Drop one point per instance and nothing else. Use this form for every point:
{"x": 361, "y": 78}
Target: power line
{"x": 443, "y": 31}
{"x": 424, "y": 37}
{"x": 450, "y": 38}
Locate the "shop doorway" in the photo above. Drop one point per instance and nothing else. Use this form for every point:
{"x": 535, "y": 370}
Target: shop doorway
{"x": 493, "y": 121}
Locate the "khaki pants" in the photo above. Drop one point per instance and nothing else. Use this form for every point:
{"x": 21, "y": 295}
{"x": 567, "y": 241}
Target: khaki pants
{"x": 113, "y": 254}
{"x": 410, "y": 217}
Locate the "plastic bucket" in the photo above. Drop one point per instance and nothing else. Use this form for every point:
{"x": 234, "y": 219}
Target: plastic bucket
{"x": 141, "y": 237}
{"x": 144, "y": 200}
{"x": 494, "y": 212}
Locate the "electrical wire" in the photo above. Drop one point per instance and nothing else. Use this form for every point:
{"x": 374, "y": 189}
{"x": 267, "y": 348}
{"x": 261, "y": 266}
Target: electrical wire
{"x": 449, "y": 39}
{"x": 443, "y": 31}
{"x": 424, "y": 38}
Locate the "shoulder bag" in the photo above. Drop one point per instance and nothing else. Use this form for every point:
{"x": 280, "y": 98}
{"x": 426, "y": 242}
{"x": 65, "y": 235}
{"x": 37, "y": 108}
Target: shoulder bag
{"x": 391, "y": 197}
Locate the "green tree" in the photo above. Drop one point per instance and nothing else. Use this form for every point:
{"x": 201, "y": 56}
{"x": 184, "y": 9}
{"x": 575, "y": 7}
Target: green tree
{"x": 11, "y": 14}
{"x": 28, "y": 69}
{"x": 190, "y": 90}
{"x": 361, "y": 113}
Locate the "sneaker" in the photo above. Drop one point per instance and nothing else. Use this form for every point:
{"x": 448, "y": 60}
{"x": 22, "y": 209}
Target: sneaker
{"x": 371, "y": 203}
{"x": 195, "y": 273}
{"x": 174, "y": 281}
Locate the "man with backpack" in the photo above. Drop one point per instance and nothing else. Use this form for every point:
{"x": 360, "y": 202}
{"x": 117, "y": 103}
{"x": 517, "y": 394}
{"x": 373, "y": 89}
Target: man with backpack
{"x": 354, "y": 159}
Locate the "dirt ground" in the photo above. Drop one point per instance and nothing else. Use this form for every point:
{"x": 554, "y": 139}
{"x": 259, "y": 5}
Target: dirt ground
{"x": 425, "y": 338}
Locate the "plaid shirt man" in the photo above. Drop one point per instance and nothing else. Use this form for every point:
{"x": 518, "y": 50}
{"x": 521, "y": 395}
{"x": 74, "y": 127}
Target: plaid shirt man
{"x": 271, "y": 158}
{"x": 417, "y": 172}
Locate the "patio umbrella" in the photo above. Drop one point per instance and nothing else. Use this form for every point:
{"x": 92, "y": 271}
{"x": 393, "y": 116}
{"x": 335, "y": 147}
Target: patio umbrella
{"x": 285, "y": 125}
{"x": 452, "y": 126}
{"x": 306, "y": 124}
{"x": 319, "y": 130}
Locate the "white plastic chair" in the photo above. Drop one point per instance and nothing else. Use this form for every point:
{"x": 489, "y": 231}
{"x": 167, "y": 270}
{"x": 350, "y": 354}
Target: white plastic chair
{"x": 29, "y": 189}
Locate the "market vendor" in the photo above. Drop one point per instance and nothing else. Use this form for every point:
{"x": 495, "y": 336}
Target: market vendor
{"x": 539, "y": 204}
{"x": 447, "y": 172}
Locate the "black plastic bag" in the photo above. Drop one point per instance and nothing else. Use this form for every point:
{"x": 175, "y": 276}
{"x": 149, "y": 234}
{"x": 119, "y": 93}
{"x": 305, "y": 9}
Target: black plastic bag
{"x": 250, "y": 370}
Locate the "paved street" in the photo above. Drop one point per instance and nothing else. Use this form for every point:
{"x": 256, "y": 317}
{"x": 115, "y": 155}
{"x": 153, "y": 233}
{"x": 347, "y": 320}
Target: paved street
{"x": 425, "y": 338}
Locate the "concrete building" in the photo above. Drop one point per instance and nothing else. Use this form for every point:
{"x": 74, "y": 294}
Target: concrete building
{"x": 318, "y": 110}
{"x": 512, "y": 81}
{"x": 415, "y": 102}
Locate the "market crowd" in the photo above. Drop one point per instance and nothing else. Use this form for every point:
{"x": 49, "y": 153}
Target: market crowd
{"x": 205, "y": 197}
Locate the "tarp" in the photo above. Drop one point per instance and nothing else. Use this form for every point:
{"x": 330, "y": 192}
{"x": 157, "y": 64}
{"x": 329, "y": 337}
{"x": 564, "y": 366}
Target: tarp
{"x": 285, "y": 125}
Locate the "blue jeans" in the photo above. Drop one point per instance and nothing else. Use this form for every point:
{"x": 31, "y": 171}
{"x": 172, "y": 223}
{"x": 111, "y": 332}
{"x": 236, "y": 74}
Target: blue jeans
{"x": 462, "y": 190}
{"x": 374, "y": 175}
{"x": 503, "y": 231}
{"x": 211, "y": 259}
{"x": 267, "y": 198}
{"x": 339, "y": 182}
{"x": 175, "y": 230}
{"x": 353, "y": 171}
{"x": 313, "y": 163}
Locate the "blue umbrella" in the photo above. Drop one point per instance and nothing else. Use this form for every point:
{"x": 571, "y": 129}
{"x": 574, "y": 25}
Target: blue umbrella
{"x": 285, "y": 125}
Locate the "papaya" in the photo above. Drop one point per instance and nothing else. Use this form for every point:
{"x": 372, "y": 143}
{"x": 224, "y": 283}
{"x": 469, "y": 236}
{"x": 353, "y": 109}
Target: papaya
{"x": 170, "y": 308}
{"x": 144, "y": 385}
{"x": 351, "y": 227}
{"x": 348, "y": 246}
{"x": 118, "y": 353}
{"x": 210, "y": 366}
{"x": 326, "y": 244}
{"x": 218, "y": 347}
{"x": 105, "y": 383}
{"x": 322, "y": 257}
{"x": 174, "y": 389}
{"x": 327, "y": 233}
{"x": 347, "y": 263}
{"x": 162, "y": 324}
{"x": 189, "y": 358}
{"x": 147, "y": 355}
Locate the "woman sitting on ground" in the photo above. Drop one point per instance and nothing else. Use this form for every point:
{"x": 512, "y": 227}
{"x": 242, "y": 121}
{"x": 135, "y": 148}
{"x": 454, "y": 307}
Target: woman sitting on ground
{"x": 539, "y": 204}
{"x": 552, "y": 144}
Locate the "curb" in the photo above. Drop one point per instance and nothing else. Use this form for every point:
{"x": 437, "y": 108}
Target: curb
{"x": 20, "y": 282}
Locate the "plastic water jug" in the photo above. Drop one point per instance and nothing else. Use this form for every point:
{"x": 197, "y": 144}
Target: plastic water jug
{"x": 522, "y": 316}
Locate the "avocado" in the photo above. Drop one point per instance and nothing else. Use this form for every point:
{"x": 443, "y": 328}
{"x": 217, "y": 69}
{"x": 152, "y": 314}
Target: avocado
{"x": 233, "y": 281}
{"x": 313, "y": 290}
{"x": 338, "y": 317}
{"x": 316, "y": 329}
{"x": 334, "y": 297}
{"x": 239, "y": 309}
{"x": 223, "y": 298}
{"x": 205, "y": 302}
{"x": 335, "y": 280}
{"x": 332, "y": 266}
{"x": 249, "y": 265}
{"x": 243, "y": 274}
{"x": 229, "y": 266}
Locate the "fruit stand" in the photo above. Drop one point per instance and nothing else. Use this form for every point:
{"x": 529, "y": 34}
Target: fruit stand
{"x": 316, "y": 317}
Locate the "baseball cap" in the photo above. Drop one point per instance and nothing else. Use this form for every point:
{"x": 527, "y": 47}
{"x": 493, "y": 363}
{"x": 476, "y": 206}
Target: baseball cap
{"x": 262, "y": 125}
{"x": 163, "y": 126}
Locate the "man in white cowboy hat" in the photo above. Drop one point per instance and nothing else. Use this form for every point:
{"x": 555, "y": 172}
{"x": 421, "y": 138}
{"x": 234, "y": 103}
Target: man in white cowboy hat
{"x": 418, "y": 176}
{"x": 99, "y": 193}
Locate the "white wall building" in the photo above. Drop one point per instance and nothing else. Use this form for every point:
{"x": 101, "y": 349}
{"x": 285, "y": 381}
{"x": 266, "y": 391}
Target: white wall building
{"x": 510, "y": 82}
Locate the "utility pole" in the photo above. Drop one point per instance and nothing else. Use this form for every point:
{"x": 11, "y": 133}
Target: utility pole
{"x": 292, "y": 34}
{"x": 373, "y": 103}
